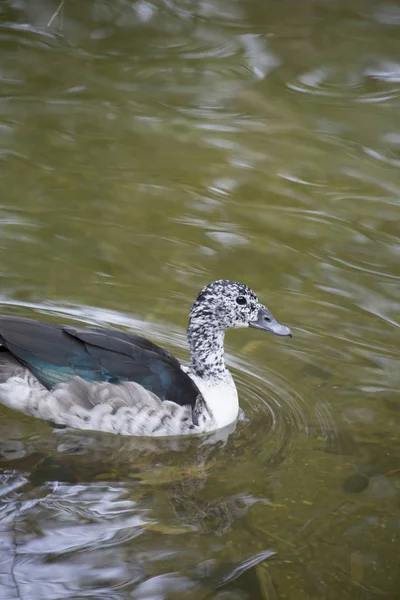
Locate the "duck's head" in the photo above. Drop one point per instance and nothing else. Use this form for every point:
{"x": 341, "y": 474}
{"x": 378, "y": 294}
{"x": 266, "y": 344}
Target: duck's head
{"x": 228, "y": 304}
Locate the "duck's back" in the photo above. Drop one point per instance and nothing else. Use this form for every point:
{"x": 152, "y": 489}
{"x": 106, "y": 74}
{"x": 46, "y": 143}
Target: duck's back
{"x": 56, "y": 353}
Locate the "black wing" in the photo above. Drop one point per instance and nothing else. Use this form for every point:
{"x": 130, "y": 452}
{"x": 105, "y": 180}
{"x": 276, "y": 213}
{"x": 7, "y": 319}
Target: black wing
{"x": 54, "y": 353}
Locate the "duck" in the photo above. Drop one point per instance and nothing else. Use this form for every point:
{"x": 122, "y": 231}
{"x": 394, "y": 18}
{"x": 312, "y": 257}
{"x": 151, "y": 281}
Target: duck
{"x": 110, "y": 380}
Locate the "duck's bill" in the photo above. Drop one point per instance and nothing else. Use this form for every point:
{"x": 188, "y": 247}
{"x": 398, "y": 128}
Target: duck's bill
{"x": 266, "y": 322}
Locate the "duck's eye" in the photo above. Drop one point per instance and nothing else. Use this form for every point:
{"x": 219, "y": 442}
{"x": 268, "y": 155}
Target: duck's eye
{"x": 241, "y": 300}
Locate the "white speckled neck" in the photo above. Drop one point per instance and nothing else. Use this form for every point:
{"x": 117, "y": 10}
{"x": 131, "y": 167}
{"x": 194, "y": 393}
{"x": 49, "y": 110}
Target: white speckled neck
{"x": 206, "y": 343}
{"x": 206, "y": 334}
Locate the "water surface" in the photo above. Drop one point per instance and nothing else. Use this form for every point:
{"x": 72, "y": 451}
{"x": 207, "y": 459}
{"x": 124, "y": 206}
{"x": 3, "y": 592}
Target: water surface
{"x": 147, "y": 148}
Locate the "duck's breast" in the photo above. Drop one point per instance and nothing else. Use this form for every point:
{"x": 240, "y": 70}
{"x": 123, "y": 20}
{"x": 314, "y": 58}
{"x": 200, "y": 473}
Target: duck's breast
{"x": 221, "y": 400}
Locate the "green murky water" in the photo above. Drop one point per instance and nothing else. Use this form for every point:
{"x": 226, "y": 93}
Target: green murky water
{"x": 147, "y": 148}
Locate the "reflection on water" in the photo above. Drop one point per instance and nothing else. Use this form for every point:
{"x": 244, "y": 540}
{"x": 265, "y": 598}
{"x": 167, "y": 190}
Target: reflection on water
{"x": 148, "y": 148}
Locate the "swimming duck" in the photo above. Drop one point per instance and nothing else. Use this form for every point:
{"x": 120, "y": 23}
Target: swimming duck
{"x": 110, "y": 380}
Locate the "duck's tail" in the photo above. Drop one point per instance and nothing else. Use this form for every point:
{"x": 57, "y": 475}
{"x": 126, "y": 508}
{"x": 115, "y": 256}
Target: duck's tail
{"x": 19, "y": 388}
{"x": 9, "y": 366}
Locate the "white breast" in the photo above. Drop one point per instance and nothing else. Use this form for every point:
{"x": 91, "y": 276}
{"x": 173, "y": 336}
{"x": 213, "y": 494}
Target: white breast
{"x": 221, "y": 399}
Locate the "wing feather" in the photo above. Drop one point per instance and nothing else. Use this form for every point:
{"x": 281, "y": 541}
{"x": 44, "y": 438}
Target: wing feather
{"x": 55, "y": 353}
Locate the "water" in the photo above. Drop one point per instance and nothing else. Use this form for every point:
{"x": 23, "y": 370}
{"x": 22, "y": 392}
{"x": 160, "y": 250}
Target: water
{"x": 146, "y": 149}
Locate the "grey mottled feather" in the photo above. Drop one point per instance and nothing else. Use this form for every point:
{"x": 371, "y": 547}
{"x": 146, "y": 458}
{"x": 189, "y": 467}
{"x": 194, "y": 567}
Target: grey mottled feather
{"x": 126, "y": 408}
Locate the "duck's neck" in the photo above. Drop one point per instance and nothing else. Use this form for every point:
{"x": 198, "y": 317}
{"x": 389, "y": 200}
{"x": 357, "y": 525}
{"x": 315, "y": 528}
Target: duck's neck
{"x": 206, "y": 343}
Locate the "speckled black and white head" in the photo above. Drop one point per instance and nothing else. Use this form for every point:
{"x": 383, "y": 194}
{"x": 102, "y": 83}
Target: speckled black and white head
{"x": 219, "y": 306}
